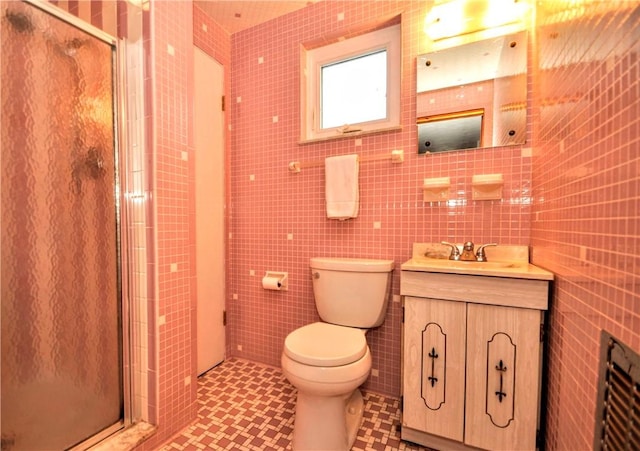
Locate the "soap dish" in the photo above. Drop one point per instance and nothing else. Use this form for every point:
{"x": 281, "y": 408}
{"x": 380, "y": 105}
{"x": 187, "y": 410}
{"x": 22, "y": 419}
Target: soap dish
{"x": 436, "y": 189}
{"x": 487, "y": 187}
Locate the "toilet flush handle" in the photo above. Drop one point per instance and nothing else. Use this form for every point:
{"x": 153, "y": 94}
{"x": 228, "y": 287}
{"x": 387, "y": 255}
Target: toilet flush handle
{"x": 315, "y": 275}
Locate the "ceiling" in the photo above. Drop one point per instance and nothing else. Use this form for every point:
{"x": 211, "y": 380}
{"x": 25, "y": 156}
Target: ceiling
{"x": 238, "y": 15}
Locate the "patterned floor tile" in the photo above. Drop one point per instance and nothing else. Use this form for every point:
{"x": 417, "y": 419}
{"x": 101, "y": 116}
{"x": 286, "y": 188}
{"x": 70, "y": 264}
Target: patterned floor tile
{"x": 247, "y": 406}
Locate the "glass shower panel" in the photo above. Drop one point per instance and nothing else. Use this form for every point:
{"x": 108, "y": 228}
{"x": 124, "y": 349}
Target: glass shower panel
{"x": 61, "y": 301}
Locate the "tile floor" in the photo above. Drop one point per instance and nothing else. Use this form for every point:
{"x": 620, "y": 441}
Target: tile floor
{"x": 244, "y": 405}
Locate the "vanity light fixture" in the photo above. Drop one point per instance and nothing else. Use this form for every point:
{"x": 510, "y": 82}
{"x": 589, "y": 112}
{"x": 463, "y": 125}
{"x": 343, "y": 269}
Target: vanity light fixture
{"x": 452, "y": 18}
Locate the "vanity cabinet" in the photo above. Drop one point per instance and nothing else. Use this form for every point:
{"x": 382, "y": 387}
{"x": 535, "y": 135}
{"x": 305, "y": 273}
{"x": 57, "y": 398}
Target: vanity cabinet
{"x": 472, "y": 357}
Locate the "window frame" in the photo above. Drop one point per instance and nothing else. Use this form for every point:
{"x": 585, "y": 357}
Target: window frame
{"x": 312, "y": 61}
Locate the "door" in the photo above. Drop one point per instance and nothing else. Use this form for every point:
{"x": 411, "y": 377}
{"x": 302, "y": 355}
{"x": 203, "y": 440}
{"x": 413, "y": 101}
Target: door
{"x": 209, "y": 178}
{"x": 61, "y": 297}
{"x": 434, "y": 360}
{"x": 503, "y": 370}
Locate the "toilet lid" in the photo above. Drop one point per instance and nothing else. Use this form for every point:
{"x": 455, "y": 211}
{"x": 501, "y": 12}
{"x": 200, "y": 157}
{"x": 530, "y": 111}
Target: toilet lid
{"x": 323, "y": 344}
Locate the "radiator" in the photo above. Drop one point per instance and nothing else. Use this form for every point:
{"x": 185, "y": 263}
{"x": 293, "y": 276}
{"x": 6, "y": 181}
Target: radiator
{"x": 618, "y": 404}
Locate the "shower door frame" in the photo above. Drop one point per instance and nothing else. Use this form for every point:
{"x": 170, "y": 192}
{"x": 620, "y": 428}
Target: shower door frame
{"x": 120, "y": 136}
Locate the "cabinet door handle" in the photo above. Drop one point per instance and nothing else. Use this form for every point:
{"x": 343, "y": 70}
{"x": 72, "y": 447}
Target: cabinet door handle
{"x": 433, "y": 355}
{"x": 502, "y": 369}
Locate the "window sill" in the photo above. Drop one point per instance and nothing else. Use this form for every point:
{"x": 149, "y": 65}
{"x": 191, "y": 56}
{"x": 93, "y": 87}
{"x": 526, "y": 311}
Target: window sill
{"x": 358, "y": 134}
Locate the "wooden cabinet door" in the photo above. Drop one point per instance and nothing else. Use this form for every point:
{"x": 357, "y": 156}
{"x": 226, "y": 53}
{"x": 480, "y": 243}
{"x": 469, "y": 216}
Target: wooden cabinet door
{"x": 434, "y": 360}
{"x": 503, "y": 358}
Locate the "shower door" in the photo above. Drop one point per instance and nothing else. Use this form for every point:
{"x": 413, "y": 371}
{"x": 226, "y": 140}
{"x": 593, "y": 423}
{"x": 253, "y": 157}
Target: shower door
{"x": 61, "y": 325}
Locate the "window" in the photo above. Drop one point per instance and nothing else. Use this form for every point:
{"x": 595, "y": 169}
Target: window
{"x": 351, "y": 86}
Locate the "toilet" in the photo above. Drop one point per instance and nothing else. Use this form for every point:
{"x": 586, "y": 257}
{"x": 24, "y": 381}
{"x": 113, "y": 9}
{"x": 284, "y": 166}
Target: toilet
{"x": 327, "y": 361}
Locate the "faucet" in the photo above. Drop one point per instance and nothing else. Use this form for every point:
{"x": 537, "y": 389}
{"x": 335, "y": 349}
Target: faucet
{"x": 480, "y": 256}
{"x": 467, "y": 253}
{"x": 455, "y": 252}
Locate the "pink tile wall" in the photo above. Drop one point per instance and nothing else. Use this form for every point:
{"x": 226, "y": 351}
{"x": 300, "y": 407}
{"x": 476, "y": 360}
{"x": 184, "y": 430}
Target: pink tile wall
{"x": 586, "y": 224}
{"x": 277, "y": 219}
{"x": 585, "y": 203}
{"x": 211, "y": 38}
{"x": 169, "y": 46}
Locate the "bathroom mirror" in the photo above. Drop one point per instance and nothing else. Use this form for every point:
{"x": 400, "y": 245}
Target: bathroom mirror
{"x": 473, "y": 95}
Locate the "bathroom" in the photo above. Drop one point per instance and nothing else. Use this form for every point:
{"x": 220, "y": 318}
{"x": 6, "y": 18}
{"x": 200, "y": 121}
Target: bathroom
{"x": 571, "y": 193}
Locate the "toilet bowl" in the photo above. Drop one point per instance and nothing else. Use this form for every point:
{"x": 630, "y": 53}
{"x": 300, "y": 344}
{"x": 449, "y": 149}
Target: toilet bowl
{"x": 327, "y": 361}
{"x": 329, "y": 407}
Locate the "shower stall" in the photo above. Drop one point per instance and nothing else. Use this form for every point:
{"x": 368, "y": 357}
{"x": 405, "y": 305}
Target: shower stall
{"x": 63, "y": 326}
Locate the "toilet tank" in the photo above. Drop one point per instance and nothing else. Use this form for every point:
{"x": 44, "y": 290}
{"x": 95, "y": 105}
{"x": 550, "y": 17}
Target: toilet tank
{"x": 351, "y": 291}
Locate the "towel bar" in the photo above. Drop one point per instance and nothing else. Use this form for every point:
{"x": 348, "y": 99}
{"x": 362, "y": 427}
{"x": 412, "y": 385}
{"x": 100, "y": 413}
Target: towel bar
{"x": 396, "y": 156}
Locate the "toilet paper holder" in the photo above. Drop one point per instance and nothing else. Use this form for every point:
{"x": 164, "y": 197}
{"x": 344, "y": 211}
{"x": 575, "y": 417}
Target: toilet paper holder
{"x": 276, "y": 280}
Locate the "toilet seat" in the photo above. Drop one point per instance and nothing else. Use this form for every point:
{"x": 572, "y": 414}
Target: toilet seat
{"x": 325, "y": 345}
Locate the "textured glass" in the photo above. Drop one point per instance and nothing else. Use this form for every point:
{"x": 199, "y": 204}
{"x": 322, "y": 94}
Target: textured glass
{"x": 61, "y": 363}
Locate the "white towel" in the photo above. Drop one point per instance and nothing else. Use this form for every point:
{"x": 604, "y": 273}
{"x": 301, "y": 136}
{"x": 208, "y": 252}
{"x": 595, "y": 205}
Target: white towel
{"x": 341, "y": 186}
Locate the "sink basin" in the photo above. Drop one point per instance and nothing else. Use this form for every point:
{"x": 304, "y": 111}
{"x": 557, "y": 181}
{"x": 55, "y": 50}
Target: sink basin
{"x": 505, "y": 261}
{"x": 468, "y": 264}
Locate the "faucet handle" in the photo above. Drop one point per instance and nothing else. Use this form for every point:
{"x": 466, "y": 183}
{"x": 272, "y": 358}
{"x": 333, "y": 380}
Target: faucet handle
{"x": 455, "y": 252}
{"x": 480, "y": 255}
